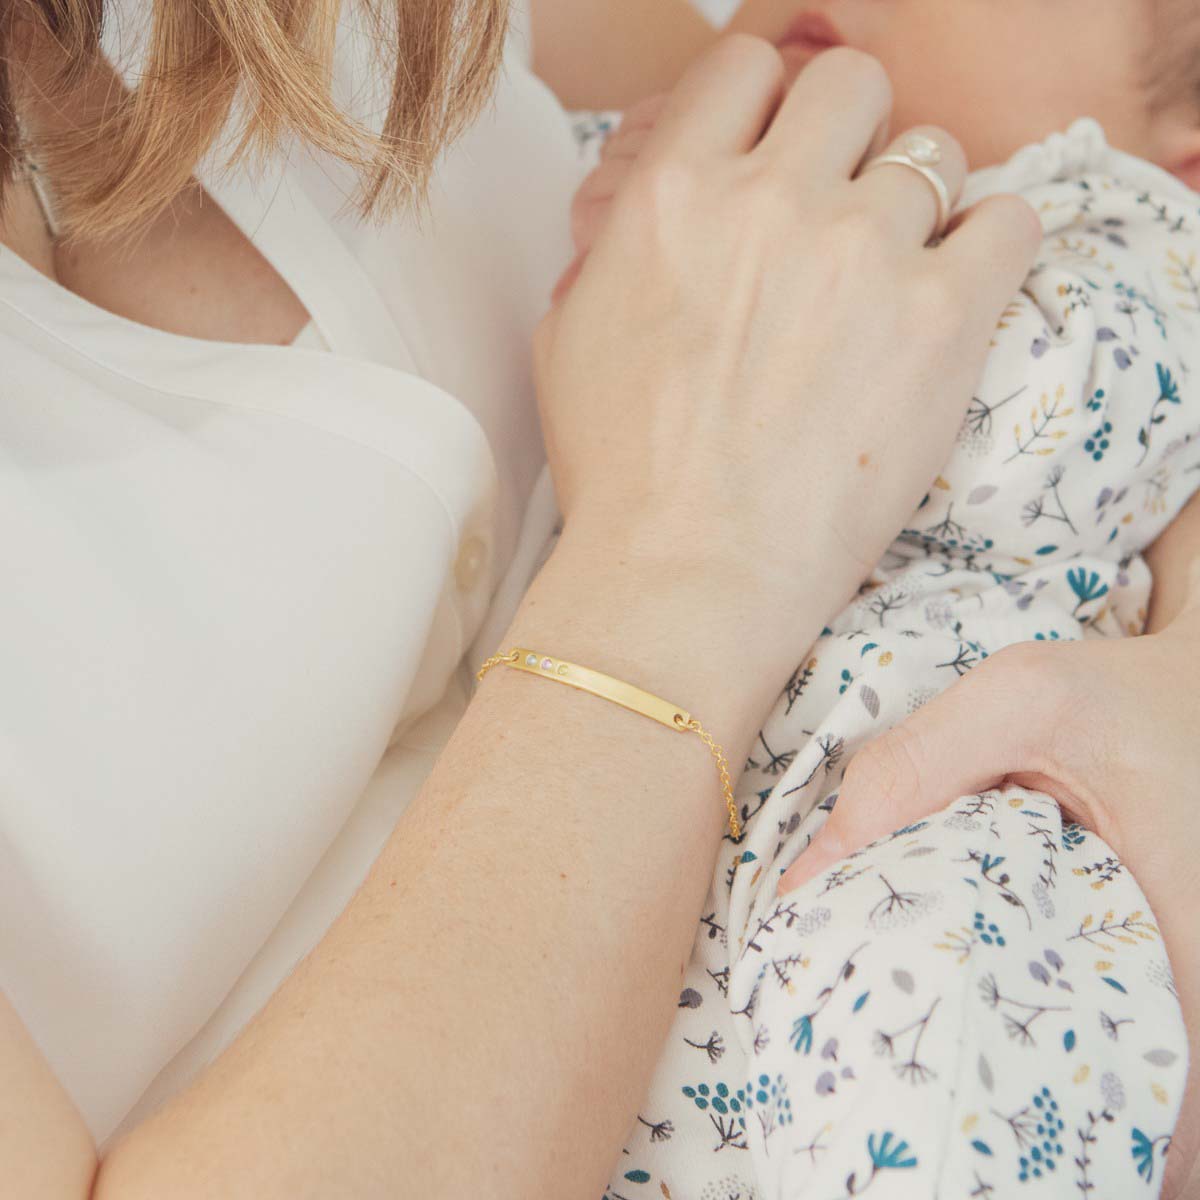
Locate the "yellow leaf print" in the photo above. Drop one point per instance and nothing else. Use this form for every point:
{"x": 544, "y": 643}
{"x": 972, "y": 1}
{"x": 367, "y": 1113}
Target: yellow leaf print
{"x": 1081, "y": 1076}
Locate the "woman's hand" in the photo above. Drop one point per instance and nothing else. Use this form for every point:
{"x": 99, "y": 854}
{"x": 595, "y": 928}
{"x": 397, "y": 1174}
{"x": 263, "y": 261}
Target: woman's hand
{"x": 761, "y": 365}
{"x": 1108, "y": 729}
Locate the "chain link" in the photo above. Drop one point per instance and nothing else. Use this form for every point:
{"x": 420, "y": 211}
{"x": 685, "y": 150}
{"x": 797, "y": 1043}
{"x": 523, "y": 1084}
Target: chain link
{"x": 735, "y": 827}
{"x": 495, "y": 661}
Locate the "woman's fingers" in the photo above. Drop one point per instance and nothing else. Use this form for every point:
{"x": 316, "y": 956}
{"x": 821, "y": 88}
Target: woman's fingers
{"x": 722, "y": 103}
{"x": 636, "y": 122}
{"x": 916, "y": 202}
{"x": 625, "y": 144}
{"x": 996, "y": 721}
{"x": 590, "y": 207}
{"x": 991, "y": 249}
{"x": 836, "y": 112}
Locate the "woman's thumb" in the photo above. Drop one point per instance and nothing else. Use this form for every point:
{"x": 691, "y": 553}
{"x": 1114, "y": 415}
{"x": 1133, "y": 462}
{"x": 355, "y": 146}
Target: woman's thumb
{"x": 963, "y": 741}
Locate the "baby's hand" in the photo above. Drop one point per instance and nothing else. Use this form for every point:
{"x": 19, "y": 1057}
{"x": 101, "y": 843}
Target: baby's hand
{"x": 589, "y": 209}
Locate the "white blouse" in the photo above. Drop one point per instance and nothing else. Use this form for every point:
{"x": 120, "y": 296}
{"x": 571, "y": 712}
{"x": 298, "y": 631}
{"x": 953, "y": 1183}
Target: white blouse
{"x": 235, "y": 575}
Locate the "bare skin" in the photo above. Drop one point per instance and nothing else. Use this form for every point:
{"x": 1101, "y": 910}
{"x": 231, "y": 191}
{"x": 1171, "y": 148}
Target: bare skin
{"x": 191, "y": 271}
{"x": 611, "y": 53}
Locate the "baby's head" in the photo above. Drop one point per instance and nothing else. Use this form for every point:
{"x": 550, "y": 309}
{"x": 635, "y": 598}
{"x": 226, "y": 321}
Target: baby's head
{"x": 1002, "y": 73}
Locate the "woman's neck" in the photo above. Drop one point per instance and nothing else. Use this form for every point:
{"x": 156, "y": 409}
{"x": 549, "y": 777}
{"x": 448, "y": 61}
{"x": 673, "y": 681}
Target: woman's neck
{"x": 188, "y": 270}
{"x": 23, "y": 227}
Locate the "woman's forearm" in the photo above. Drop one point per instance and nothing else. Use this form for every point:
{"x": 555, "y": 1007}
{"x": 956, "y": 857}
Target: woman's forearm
{"x": 45, "y": 1148}
{"x": 484, "y": 1017}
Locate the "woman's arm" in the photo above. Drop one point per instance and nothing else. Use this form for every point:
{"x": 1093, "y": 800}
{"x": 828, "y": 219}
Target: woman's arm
{"x": 611, "y": 53}
{"x": 1175, "y": 563}
{"x": 484, "y": 1017}
{"x": 483, "y": 1020}
{"x": 45, "y": 1149}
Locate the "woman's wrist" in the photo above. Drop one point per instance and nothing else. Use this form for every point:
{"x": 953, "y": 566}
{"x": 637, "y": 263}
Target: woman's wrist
{"x": 691, "y": 631}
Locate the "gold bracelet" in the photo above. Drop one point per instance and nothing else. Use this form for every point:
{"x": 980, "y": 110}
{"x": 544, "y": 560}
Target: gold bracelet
{"x": 626, "y": 695}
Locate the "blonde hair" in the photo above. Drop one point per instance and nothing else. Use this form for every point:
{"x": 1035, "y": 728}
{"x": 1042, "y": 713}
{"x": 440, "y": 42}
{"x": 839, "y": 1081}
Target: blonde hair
{"x": 133, "y": 151}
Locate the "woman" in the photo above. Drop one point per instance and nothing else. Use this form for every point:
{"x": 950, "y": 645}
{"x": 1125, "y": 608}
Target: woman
{"x": 285, "y": 554}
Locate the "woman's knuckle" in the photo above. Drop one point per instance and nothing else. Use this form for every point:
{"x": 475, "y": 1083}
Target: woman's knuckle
{"x": 660, "y": 187}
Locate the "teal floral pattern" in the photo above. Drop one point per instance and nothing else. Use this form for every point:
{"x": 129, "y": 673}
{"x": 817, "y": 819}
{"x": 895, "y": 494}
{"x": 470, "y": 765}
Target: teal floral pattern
{"x": 978, "y": 1005}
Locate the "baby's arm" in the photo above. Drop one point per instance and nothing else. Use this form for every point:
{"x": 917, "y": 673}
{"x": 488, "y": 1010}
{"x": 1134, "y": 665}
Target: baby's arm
{"x": 1175, "y": 561}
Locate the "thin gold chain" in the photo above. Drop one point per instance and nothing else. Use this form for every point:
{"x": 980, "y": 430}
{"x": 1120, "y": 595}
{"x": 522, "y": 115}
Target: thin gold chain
{"x": 495, "y": 661}
{"x": 735, "y": 827}
{"x": 683, "y": 722}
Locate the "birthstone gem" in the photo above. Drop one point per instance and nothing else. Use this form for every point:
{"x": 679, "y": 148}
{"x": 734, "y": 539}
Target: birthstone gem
{"x": 922, "y": 149}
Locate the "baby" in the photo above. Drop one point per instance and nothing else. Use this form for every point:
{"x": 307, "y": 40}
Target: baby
{"x": 980, "y": 1005}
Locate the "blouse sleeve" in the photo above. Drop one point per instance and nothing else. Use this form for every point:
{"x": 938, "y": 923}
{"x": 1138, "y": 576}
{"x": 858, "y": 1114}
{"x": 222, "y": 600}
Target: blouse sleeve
{"x": 220, "y": 580}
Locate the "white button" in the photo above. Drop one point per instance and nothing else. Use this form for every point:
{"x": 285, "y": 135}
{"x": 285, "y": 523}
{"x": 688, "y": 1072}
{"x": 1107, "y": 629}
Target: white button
{"x": 472, "y": 555}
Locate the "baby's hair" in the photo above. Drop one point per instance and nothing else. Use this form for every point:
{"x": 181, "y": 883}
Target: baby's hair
{"x": 1174, "y": 66}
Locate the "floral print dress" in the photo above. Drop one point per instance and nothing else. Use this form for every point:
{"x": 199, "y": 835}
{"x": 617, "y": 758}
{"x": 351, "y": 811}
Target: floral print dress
{"x": 979, "y": 1005}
